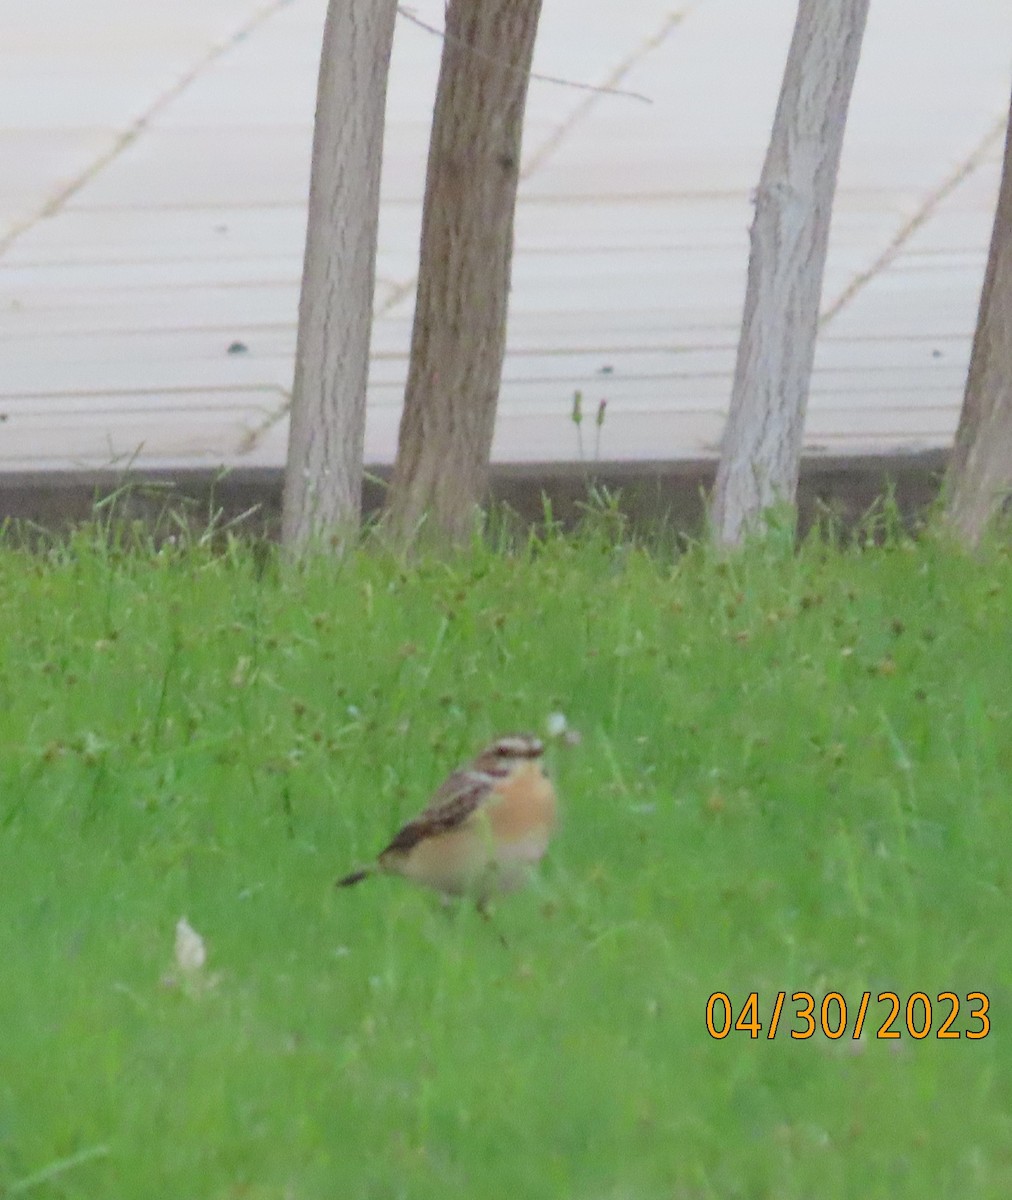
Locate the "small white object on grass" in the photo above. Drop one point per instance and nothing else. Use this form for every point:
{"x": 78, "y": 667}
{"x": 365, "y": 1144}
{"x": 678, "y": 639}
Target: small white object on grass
{"x": 556, "y": 724}
{"x": 191, "y": 953}
{"x": 557, "y": 727}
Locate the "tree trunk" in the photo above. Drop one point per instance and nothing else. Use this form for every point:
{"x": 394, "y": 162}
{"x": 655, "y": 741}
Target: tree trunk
{"x": 459, "y": 333}
{"x": 761, "y": 451}
{"x": 323, "y": 477}
{"x": 980, "y": 473}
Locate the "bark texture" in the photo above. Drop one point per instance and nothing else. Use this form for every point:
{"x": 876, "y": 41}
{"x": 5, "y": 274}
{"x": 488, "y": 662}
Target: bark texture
{"x": 761, "y": 451}
{"x": 459, "y": 333}
{"x": 323, "y": 476}
{"x": 980, "y": 472}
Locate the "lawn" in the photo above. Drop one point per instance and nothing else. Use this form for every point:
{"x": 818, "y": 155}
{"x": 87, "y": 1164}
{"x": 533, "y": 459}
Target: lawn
{"x": 795, "y": 775}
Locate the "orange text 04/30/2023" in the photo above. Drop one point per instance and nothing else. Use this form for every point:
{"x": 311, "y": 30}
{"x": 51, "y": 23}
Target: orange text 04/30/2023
{"x": 947, "y": 1016}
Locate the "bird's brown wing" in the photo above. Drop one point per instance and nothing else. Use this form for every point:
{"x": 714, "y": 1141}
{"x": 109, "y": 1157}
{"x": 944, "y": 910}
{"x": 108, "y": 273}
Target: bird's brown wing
{"x": 455, "y": 800}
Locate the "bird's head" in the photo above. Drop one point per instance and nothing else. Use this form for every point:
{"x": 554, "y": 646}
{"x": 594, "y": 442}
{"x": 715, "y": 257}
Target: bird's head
{"x": 509, "y": 752}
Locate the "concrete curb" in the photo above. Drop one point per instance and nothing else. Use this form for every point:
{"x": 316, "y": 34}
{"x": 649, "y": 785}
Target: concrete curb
{"x": 847, "y": 486}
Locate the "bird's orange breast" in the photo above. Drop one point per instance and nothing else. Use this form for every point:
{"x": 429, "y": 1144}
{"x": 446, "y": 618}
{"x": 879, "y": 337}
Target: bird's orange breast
{"x": 521, "y": 805}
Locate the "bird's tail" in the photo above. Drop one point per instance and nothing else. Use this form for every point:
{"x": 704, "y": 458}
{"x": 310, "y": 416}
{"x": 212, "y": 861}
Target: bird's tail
{"x": 354, "y": 877}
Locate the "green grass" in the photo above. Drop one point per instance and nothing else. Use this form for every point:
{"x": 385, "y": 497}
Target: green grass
{"x": 795, "y": 774}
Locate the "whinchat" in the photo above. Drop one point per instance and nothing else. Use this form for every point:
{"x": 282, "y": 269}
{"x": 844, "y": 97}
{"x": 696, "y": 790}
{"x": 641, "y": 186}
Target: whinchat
{"x": 484, "y": 829}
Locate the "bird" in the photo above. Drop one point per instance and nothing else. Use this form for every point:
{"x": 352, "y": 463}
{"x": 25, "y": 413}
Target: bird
{"x": 483, "y": 830}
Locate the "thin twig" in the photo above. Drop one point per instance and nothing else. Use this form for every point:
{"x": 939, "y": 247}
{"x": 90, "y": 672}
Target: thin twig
{"x": 927, "y": 209}
{"x": 570, "y": 83}
{"x": 125, "y": 138}
{"x": 50, "y": 1172}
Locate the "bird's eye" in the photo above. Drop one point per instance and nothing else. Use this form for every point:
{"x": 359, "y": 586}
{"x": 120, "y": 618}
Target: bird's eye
{"x": 502, "y": 751}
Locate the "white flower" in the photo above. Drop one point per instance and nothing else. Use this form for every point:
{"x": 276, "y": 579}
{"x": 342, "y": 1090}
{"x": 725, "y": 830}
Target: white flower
{"x": 191, "y": 953}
